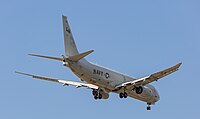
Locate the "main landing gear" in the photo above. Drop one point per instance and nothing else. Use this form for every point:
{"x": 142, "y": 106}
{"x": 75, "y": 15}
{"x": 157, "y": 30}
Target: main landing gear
{"x": 148, "y": 106}
{"x": 97, "y": 94}
{"x": 123, "y": 95}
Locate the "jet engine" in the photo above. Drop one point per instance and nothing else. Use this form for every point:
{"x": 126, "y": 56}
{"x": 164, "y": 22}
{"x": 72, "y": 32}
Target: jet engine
{"x": 143, "y": 91}
{"x": 104, "y": 95}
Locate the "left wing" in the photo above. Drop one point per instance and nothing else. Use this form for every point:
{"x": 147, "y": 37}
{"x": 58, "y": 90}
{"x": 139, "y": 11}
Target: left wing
{"x": 63, "y": 82}
{"x": 148, "y": 79}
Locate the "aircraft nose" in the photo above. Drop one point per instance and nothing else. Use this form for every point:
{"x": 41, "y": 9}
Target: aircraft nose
{"x": 157, "y": 97}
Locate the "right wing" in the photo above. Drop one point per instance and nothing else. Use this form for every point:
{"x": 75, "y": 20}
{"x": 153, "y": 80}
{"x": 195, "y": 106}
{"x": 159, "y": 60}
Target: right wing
{"x": 63, "y": 82}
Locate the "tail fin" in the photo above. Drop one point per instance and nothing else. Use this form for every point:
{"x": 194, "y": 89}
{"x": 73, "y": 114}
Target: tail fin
{"x": 70, "y": 46}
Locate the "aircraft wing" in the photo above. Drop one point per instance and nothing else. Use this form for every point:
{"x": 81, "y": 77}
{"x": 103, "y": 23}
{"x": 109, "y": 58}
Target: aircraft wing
{"x": 63, "y": 82}
{"x": 148, "y": 79}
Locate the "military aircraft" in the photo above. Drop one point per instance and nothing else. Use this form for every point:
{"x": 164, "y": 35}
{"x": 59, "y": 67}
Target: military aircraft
{"x": 101, "y": 80}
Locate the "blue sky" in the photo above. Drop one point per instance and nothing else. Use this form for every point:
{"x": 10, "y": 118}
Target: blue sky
{"x": 134, "y": 37}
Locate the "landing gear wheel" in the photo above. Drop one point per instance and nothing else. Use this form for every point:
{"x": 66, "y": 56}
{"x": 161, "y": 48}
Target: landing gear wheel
{"x": 148, "y": 107}
{"x": 96, "y": 97}
{"x": 139, "y": 90}
{"x": 100, "y": 96}
{"x": 97, "y": 94}
{"x": 94, "y": 92}
{"x": 121, "y": 95}
{"x": 125, "y": 95}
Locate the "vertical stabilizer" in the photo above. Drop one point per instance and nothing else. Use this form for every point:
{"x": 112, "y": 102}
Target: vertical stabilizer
{"x": 70, "y": 46}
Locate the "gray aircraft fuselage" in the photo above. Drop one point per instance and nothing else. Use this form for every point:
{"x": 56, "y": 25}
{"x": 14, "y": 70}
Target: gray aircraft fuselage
{"x": 108, "y": 79}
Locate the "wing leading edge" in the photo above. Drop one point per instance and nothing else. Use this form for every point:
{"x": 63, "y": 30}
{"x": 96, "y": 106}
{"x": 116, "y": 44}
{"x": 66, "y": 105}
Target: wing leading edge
{"x": 63, "y": 82}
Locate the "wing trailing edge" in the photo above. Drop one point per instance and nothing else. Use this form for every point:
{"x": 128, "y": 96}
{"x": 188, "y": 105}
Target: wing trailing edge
{"x": 63, "y": 82}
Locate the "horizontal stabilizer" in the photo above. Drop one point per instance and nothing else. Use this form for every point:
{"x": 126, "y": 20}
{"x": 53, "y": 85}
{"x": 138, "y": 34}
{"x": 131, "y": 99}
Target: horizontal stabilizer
{"x": 80, "y": 56}
{"x": 49, "y": 57}
{"x": 74, "y": 58}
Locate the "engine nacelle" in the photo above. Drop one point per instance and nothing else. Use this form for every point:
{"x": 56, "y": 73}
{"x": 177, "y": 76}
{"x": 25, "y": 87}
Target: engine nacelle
{"x": 146, "y": 92}
{"x": 105, "y": 95}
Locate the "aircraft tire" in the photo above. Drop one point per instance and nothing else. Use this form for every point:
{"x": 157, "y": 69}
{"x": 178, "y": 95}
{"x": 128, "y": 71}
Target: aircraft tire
{"x": 148, "y": 107}
{"x": 125, "y": 95}
{"x": 100, "y": 96}
{"x": 94, "y": 92}
{"x": 121, "y": 95}
{"x": 96, "y": 96}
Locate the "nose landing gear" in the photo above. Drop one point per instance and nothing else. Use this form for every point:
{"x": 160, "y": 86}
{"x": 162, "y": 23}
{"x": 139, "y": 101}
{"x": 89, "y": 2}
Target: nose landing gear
{"x": 148, "y": 106}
